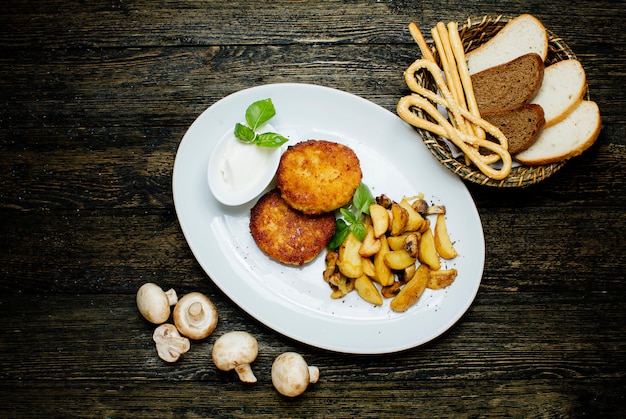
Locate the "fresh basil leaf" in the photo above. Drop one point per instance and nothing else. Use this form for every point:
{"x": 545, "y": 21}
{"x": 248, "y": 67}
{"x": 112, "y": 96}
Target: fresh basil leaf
{"x": 341, "y": 232}
{"x": 259, "y": 113}
{"x": 270, "y": 139}
{"x": 362, "y": 199}
{"x": 348, "y": 215}
{"x": 244, "y": 133}
{"x": 358, "y": 229}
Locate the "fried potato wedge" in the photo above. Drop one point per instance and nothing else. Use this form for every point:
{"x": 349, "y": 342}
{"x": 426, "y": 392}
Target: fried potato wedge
{"x": 370, "y": 245}
{"x": 441, "y": 278}
{"x": 412, "y": 291}
{"x": 398, "y": 260}
{"x": 425, "y": 226}
{"x": 367, "y": 290}
{"x": 368, "y": 267}
{"x": 380, "y": 219}
{"x": 396, "y": 242}
{"x": 428, "y": 253}
{"x": 403, "y": 240}
{"x": 406, "y": 275}
{"x": 349, "y": 261}
{"x": 415, "y": 220}
{"x": 384, "y": 275}
{"x": 443, "y": 244}
{"x": 399, "y": 219}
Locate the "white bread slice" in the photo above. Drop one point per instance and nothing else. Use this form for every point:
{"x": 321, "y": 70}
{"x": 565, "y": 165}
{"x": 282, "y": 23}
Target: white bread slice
{"x": 565, "y": 139}
{"x": 564, "y": 84}
{"x": 521, "y": 35}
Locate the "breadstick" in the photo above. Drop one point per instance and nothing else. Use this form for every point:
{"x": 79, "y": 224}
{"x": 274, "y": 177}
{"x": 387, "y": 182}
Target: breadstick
{"x": 416, "y": 33}
{"x": 450, "y": 67}
{"x": 467, "y": 143}
{"x": 452, "y": 75}
{"x": 447, "y": 100}
{"x": 445, "y": 63}
{"x": 466, "y": 81}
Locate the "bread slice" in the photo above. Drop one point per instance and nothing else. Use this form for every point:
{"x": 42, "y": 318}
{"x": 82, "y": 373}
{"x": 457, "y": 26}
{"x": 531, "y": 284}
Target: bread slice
{"x": 508, "y": 86}
{"x": 565, "y": 139}
{"x": 564, "y": 84}
{"x": 521, "y": 35}
{"x": 521, "y": 126}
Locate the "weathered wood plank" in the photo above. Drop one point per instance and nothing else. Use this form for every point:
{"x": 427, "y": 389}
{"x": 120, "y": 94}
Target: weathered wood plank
{"x": 93, "y": 89}
{"x": 59, "y": 24}
{"x": 507, "y": 335}
{"x": 547, "y": 397}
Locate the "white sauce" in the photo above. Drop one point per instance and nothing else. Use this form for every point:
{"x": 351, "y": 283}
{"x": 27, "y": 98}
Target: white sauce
{"x": 243, "y": 165}
{"x": 239, "y": 172}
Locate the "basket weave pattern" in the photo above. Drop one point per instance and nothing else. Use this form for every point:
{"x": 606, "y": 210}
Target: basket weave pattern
{"x": 474, "y": 33}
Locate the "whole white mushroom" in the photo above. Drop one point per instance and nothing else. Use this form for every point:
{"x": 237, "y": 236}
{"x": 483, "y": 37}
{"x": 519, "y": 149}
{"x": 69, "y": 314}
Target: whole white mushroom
{"x": 291, "y": 375}
{"x": 154, "y": 303}
{"x": 195, "y": 316}
{"x": 236, "y": 350}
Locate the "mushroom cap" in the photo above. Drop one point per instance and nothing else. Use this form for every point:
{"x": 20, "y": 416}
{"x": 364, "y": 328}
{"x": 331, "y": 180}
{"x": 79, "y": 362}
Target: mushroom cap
{"x": 291, "y": 375}
{"x": 170, "y": 344}
{"x": 236, "y": 350}
{"x": 154, "y": 303}
{"x": 195, "y": 316}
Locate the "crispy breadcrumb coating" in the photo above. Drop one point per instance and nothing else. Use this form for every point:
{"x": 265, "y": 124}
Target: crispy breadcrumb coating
{"x": 287, "y": 235}
{"x": 318, "y": 176}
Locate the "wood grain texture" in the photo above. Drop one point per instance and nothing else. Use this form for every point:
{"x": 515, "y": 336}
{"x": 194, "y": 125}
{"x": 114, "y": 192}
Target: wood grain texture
{"x": 95, "y": 97}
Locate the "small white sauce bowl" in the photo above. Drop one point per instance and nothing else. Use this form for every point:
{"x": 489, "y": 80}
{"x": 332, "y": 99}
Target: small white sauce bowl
{"x": 224, "y": 192}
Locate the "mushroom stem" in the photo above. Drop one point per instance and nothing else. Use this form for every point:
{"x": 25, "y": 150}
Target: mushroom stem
{"x": 245, "y": 373}
{"x": 195, "y": 311}
{"x": 172, "y": 297}
{"x": 314, "y": 374}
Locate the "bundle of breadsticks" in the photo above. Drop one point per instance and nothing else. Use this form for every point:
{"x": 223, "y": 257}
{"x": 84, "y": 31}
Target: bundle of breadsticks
{"x": 465, "y": 129}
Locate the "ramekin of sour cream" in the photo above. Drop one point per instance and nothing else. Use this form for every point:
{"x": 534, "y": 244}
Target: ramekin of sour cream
{"x": 238, "y": 172}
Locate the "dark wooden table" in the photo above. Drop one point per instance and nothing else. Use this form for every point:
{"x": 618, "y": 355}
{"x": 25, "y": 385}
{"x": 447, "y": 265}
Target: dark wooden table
{"x": 95, "y": 97}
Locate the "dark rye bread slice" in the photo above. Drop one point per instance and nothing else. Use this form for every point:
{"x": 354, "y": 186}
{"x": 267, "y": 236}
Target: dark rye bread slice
{"x": 508, "y": 86}
{"x": 520, "y": 126}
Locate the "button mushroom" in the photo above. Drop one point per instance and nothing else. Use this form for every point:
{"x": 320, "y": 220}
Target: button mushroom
{"x": 236, "y": 350}
{"x": 154, "y": 303}
{"x": 195, "y": 316}
{"x": 291, "y": 375}
{"x": 170, "y": 344}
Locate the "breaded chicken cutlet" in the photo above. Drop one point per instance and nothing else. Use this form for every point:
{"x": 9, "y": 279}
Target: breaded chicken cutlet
{"x": 287, "y": 235}
{"x": 318, "y": 176}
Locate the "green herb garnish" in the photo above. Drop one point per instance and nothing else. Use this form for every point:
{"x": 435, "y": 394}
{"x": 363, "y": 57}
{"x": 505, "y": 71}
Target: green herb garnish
{"x": 258, "y": 114}
{"x": 351, "y": 219}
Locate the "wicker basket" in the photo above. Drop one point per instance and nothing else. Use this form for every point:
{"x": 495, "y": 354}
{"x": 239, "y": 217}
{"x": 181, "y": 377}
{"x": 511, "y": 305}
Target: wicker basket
{"x": 474, "y": 33}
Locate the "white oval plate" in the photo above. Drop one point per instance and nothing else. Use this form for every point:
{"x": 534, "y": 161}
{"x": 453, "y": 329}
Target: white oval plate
{"x": 296, "y": 301}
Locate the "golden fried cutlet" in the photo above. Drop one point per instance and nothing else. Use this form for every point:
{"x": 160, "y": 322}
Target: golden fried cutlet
{"x": 318, "y": 176}
{"x": 287, "y": 235}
